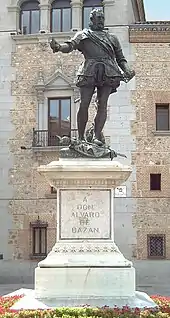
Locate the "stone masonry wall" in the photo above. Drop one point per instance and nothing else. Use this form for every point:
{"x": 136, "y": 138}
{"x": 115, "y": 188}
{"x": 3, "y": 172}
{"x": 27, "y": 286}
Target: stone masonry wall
{"x": 118, "y": 126}
{"x": 152, "y": 153}
{"x": 7, "y": 74}
{"x": 32, "y": 193}
{"x": 32, "y": 197}
{"x": 24, "y": 194}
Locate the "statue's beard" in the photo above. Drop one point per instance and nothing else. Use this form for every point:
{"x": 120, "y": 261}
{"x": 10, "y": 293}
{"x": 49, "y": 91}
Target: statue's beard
{"x": 96, "y": 27}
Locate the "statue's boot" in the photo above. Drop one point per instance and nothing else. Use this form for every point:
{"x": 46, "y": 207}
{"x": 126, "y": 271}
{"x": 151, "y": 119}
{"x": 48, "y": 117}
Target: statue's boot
{"x": 81, "y": 139}
{"x": 97, "y": 142}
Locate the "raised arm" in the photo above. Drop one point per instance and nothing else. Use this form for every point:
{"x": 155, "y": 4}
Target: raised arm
{"x": 68, "y": 46}
{"x": 64, "y": 48}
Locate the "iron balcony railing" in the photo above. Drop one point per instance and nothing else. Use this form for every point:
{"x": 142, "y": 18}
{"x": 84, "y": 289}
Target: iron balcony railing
{"x": 44, "y": 138}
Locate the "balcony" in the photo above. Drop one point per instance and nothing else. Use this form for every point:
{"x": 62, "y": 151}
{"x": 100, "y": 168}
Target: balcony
{"x": 44, "y": 140}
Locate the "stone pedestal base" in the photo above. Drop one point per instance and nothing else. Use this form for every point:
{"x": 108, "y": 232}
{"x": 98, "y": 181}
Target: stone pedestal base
{"x": 84, "y": 271}
{"x": 29, "y": 302}
{"x": 84, "y": 282}
{"x": 85, "y": 266}
{"x": 96, "y": 254}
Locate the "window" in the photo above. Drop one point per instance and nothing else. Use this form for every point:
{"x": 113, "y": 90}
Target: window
{"x": 155, "y": 181}
{"x": 88, "y": 6}
{"x": 39, "y": 238}
{"x": 156, "y": 246}
{"x": 59, "y": 121}
{"x": 61, "y": 16}
{"x": 162, "y": 117}
{"x": 30, "y": 17}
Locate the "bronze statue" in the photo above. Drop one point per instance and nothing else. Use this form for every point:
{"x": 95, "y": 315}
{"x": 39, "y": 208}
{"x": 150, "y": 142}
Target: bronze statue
{"x": 101, "y": 70}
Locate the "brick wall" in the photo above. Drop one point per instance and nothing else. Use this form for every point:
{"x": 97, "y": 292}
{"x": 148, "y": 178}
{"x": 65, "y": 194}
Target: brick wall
{"x": 152, "y": 148}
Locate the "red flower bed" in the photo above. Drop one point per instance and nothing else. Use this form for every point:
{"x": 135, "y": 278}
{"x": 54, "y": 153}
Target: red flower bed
{"x": 6, "y": 303}
{"x": 86, "y": 312}
{"x": 163, "y": 303}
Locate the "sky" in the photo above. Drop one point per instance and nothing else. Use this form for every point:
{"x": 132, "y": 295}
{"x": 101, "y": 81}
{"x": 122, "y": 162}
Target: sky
{"x": 157, "y": 10}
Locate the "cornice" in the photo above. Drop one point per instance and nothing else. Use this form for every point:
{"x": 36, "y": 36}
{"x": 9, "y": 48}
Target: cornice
{"x": 150, "y": 31}
{"x": 41, "y": 37}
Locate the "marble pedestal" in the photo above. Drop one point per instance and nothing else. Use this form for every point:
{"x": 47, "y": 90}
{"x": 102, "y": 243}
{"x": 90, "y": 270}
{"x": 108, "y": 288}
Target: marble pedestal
{"x": 85, "y": 266}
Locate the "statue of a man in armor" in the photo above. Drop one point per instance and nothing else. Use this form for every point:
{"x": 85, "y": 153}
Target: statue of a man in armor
{"x": 103, "y": 69}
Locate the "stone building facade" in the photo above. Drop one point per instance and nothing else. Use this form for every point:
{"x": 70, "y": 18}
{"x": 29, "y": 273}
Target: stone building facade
{"x": 151, "y": 157}
{"x": 32, "y": 77}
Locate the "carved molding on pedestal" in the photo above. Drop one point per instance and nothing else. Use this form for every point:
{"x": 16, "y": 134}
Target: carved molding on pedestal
{"x": 81, "y": 182}
{"x": 85, "y": 173}
{"x": 85, "y": 248}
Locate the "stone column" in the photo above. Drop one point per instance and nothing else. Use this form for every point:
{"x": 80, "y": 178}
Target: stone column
{"x": 41, "y": 137}
{"x": 109, "y": 11}
{"x": 76, "y": 14}
{"x": 40, "y": 111}
{"x": 40, "y": 99}
{"x": 45, "y": 18}
{"x": 14, "y": 17}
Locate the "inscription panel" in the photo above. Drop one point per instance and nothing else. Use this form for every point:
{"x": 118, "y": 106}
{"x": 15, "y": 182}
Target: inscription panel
{"x": 85, "y": 214}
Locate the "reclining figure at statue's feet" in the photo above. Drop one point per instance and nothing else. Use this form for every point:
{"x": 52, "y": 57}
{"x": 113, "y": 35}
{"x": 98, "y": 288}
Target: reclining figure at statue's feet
{"x": 86, "y": 147}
